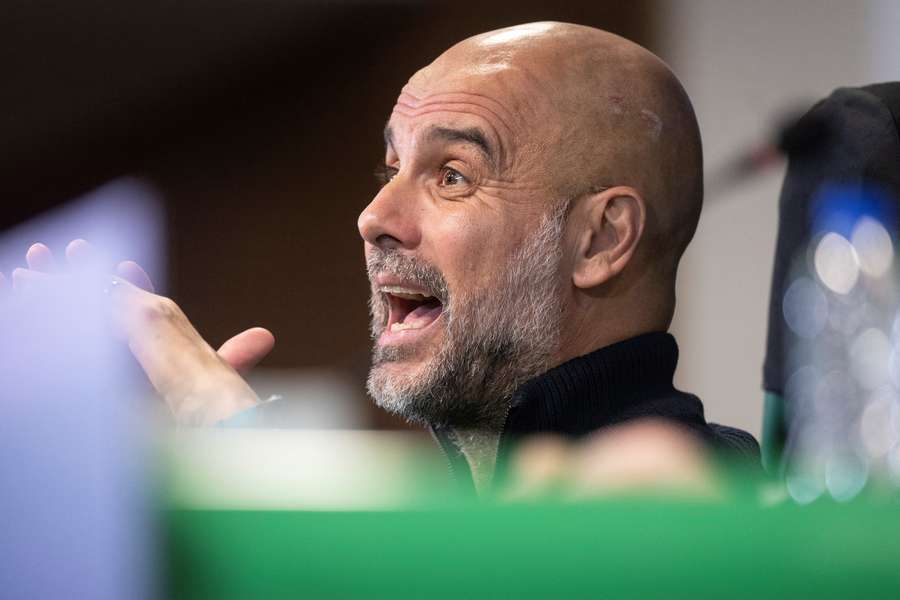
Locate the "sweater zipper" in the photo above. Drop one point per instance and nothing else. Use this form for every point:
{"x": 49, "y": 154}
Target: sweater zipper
{"x": 438, "y": 439}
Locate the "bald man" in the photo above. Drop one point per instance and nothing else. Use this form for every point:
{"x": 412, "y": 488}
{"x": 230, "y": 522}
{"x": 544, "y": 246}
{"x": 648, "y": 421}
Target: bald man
{"x": 540, "y": 185}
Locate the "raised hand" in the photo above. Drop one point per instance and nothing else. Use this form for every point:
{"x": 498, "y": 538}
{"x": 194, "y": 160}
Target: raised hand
{"x": 199, "y": 384}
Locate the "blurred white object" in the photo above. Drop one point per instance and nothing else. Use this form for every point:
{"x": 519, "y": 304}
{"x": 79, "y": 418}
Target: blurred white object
{"x": 282, "y": 469}
{"x": 312, "y": 398}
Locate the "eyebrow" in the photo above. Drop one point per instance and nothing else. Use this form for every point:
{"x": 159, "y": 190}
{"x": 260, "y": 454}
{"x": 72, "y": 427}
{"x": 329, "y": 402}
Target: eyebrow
{"x": 469, "y": 135}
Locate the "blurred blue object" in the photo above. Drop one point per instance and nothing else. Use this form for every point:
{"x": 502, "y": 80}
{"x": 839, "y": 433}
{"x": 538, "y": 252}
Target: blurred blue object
{"x": 74, "y": 498}
{"x": 838, "y": 207}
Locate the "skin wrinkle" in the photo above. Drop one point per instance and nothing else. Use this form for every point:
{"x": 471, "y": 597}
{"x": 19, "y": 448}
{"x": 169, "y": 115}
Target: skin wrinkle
{"x": 436, "y": 104}
{"x": 491, "y": 185}
{"x": 497, "y": 109}
{"x": 515, "y": 113}
{"x": 446, "y": 108}
{"x": 469, "y": 135}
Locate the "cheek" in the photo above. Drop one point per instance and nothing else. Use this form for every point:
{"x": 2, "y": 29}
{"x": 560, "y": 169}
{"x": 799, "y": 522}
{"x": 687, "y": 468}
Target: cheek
{"x": 472, "y": 253}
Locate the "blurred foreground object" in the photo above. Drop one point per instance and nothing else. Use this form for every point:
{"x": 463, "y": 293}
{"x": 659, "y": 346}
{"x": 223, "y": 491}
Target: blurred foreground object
{"x": 291, "y": 469}
{"x": 625, "y": 549}
{"x": 645, "y": 457}
{"x": 75, "y": 501}
{"x": 832, "y": 407}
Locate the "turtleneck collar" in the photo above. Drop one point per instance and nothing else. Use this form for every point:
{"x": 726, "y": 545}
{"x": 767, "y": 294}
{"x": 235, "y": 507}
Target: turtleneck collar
{"x": 614, "y": 383}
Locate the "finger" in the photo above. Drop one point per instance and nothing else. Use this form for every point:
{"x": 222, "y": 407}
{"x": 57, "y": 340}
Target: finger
{"x": 640, "y": 457}
{"x": 247, "y": 348}
{"x": 119, "y": 288}
{"x": 539, "y": 467}
{"x": 40, "y": 258}
{"x": 24, "y": 279}
{"x": 131, "y": 271}
{"x": 81, "y": 254}
{"x": 123, "y": 300}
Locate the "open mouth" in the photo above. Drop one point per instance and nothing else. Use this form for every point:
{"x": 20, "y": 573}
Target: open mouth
{"x": 410, "y": 310}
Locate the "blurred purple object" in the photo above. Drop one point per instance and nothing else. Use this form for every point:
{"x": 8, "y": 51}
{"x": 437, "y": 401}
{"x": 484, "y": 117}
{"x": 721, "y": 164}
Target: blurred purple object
{"x": 74, "y": 486}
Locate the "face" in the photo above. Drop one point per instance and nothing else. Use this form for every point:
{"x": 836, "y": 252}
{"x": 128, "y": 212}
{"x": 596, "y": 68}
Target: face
{"x": 463, "y": 248}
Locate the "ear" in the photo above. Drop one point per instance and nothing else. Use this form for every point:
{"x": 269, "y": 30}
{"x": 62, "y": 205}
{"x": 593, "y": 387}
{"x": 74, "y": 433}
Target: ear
{"x": 611, "y": 225}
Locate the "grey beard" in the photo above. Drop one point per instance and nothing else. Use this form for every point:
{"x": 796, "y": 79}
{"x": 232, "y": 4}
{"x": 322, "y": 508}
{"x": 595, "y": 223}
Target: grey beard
{"x": 496, "y": 339}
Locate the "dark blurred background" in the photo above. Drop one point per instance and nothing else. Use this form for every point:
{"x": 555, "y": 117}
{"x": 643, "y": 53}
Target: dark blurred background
{"x": 260, "y": 125}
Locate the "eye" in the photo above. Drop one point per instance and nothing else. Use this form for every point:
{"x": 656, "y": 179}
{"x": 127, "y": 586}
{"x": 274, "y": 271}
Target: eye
{"x": 452, "y": 177}
{"x": 384, "y": 174}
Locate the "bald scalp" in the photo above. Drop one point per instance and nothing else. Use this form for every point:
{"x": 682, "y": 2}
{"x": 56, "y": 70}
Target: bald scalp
{"x": 617, "y": 116}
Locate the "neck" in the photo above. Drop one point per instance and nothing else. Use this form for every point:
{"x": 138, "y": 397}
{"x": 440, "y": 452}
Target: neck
{"x": 589, "y": 325}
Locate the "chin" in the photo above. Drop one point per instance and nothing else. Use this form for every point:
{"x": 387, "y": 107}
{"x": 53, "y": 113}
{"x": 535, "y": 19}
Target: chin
{"x": 395, "y": 388}
{"x": 401, "y": 372}
{"x": 404, "y": 364}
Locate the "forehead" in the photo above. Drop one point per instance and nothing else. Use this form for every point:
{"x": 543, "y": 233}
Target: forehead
{"x": 500, "y": 99}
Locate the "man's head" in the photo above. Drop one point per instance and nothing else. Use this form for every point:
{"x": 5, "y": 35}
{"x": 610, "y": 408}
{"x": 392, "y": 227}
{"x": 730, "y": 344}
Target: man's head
{"x": 542, "y": 182}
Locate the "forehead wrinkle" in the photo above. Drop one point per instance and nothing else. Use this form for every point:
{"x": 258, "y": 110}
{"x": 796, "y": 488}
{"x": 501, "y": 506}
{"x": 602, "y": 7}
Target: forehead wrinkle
{"x": 489, "y": 109}
{"x": 490, "y": 129}
{"x": 490, "y": 104}
{"x": 459, "y": 107}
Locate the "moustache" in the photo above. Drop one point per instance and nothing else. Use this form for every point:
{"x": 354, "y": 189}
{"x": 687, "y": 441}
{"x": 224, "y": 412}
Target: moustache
{"x": 411, "y": 270}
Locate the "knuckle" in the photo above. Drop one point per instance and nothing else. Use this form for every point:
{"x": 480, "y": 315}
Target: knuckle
{"x": 160, "y": 307}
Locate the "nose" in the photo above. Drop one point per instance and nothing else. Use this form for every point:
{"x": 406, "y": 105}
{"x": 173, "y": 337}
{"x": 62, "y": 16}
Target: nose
{"x": 390, "y": 221}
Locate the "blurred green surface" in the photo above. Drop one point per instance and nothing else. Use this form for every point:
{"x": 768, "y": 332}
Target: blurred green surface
{"x": 623, "y": 549}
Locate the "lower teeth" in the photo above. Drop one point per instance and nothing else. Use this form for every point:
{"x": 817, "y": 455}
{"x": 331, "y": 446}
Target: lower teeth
{"x": 403, "y": 326}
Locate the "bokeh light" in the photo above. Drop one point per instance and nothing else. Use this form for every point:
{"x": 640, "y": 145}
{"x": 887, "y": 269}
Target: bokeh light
{"x": 894, "y": 367}
{"x": 836, "y": 262}
{"x": 804, "y": 486}
{"x": 870, "y": 357}
{"x": 873, "y": 247}
{"x": 845, "y": 476}
{"x": 800, "y": 389}
{"x": 877, "y": 426}
{"x": 805, "y": 308}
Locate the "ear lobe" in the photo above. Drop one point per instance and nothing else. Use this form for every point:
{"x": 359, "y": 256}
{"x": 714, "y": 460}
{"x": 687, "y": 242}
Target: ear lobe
{"x": 612, "y": 224}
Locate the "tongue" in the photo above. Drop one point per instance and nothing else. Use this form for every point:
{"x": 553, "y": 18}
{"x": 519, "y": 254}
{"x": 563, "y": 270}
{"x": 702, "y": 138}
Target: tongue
{"x": 422, "y": 315}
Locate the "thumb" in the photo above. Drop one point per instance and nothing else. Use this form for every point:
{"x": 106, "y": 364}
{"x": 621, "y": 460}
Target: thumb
{"x": 247, "y": 348}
